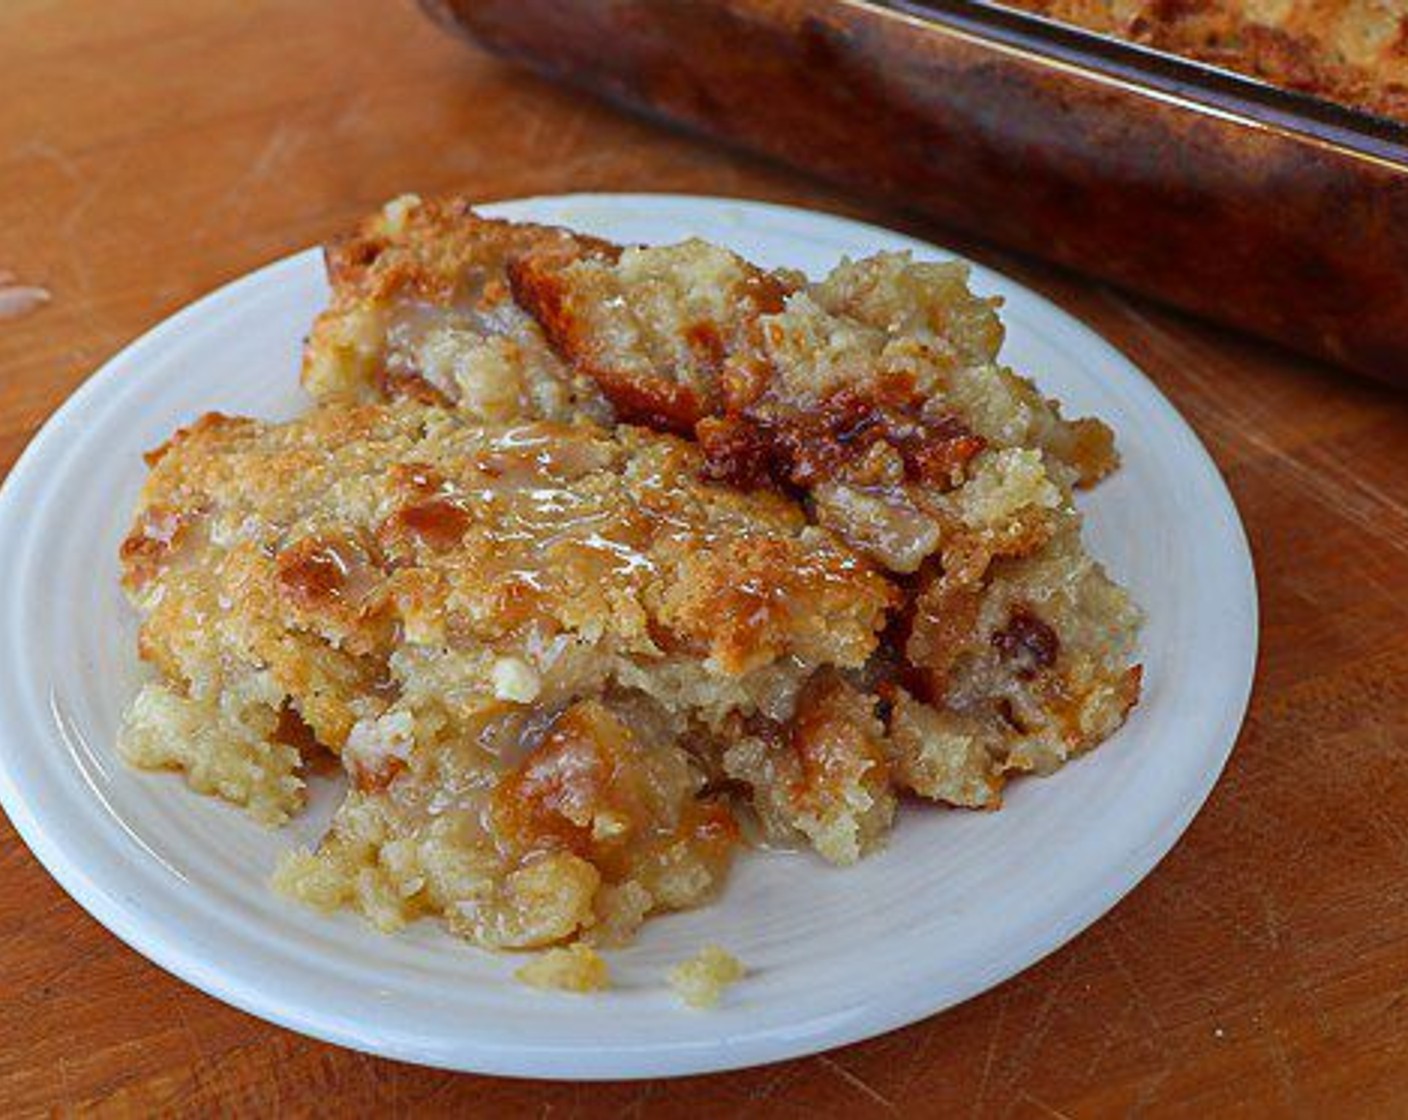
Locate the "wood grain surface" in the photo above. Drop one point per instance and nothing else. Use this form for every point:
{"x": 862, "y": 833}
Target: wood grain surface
{"x": 153, "y": 149}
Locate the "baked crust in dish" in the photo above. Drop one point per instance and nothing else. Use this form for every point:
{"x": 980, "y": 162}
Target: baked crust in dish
{"x": 1354, "y": 52}
{"x": 591, "y": 561}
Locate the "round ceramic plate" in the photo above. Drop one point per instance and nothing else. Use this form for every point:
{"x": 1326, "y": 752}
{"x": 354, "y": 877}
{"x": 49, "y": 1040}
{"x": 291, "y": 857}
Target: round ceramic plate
{"x": 958, "y": 902}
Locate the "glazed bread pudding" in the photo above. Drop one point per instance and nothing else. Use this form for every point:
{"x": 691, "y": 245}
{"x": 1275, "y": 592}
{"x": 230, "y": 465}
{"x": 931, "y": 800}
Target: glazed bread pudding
{"x": 593, "y": 565}
{"x": 1351, "y": 51}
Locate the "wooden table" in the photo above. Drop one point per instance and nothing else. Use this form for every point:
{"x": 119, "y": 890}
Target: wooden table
{"x": 153, "y": 149}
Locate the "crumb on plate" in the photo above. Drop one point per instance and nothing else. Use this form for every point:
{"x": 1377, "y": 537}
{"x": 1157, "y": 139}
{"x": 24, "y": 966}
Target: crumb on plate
{"x": 573, "y": 968}
{"x": 701, "y": 980}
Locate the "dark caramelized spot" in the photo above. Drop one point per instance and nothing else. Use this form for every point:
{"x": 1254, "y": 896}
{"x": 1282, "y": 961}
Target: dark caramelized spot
{"x": 294, "y": 731}
{"x": 318, "y": 573}
{"x": 758, "y": 726}
{"x": 438, "y": 523}
{"x": 942, "y": 452}
{"x": 430, "y": 515}
{"x": 1027, "y": 640}
{"x": 766, "y": 292}
{"x": 376, "y": 778}
{"x": 724, "y": 788}
{"x": 516, "y": 598}
{"x": 310, "y": 576}
{"x": 671, "y": 641}
{"x": 737, "y": 451}
{"x": 706, "y": 344}
{"x": 806, "y": 448}
{"x": 411, "y": 386}
{"x": 1009, "y": 716}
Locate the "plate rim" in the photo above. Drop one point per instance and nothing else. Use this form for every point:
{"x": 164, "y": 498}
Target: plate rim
{"x": 868, "y": 1020}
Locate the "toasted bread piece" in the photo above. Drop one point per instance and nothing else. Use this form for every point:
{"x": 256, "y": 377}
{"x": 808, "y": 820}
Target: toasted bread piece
{"x": 670, "y": 335}
{"x": 421, "y": 309}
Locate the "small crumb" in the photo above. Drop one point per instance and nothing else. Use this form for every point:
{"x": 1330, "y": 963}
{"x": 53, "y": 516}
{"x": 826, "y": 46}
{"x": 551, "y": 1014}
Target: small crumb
{"x": 516, "y": 680}
{"x": 700, "y": 980}
{"x": 395, "y": 212}
{"x": 608, "y": 826}
{"x": 577, "y": 968}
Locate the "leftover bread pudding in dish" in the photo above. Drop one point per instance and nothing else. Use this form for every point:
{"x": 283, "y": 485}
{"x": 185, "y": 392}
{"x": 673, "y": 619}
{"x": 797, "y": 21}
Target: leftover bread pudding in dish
{"x": 1351, "y": 51}
{"x": 592, "y": 565}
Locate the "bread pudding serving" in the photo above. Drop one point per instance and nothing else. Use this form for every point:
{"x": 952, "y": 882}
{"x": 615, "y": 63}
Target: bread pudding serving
{"x": 594, "y": 566}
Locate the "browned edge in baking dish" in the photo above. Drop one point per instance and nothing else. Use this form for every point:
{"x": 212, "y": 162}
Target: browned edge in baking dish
{"x": 1103, "y": 57}
{"x": 1264, "y": 209}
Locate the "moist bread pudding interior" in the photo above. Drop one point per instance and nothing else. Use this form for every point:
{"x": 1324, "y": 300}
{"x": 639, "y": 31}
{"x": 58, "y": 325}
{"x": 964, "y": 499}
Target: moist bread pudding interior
{"x": 592, "y": 565}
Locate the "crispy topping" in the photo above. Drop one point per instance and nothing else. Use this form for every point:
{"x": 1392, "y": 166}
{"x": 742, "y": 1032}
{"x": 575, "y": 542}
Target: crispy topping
{"x": 661, "y": 405}
{"x": 319, "y": 572}
{"x": 438, "y": 523}
{"x": 1352, "y": 52}
{"x": 808, "y": 448}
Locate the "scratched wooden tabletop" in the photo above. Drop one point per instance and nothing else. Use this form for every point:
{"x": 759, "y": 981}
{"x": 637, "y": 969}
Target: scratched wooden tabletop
{"x": 151, "y": 150}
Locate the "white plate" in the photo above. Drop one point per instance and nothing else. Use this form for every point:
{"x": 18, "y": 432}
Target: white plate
{"x": 957, "y": 903}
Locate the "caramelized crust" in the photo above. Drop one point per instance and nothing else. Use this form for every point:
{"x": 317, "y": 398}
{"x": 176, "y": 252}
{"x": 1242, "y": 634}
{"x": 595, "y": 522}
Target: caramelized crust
{"x": 670, "y": 335}
{"x": 874, "y": 387}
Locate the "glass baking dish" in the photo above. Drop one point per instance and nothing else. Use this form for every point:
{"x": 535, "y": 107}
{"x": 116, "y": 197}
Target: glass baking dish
{"x": 1268, "y": 210}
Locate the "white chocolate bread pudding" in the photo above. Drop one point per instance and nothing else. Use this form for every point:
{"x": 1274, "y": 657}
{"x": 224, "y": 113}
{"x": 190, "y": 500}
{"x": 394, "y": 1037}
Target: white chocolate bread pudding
{"x": 590, "y": 565}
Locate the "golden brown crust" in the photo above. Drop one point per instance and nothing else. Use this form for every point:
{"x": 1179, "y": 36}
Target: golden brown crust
{"x": 638, "y": 327}
{"x": 531, "y": 621}
{"x": 432, "y": 507}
